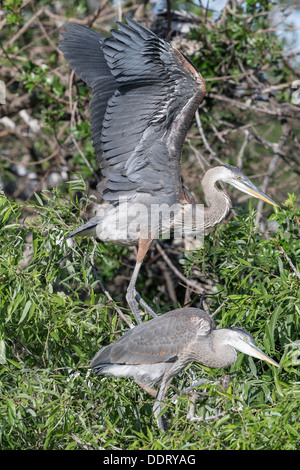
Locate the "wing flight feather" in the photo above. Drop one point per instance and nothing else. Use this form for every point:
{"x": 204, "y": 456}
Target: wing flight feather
{"x": 145, "y": 94}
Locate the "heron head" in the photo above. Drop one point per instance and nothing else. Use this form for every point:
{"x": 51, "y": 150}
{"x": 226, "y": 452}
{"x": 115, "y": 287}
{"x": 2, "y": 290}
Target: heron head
{"x": 244, "y": 342}
{"x": 235, "y": 177}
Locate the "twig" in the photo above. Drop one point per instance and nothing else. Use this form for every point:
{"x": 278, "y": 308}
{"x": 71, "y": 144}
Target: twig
{"x": 213, "y": 154}
{"x": 271, "y": 12}
{"x": 187, "y": 296}
{"x": 268, "y": 30}
{"x": 37, "y": 360}
{"x": 289, "y": 261}
{"x": 169, "y": 19}
{"x": 291, "y": 67}
{"x": 85, "y": 159}
{"x": 248, "y": 107}
{"x": 242, "y": 149}
{"x": 200, "y": 158}
{"x": 119, "y": 8}
{"x": 271, "y": 88}
{"x": 219, "y": 308}
{"x": 98, "y": 12}
{"x": 25, "y": 27}
{"x": 208, "y": 147}
{"x": 169, "y": 283}
{"x": 227, "y": 77}
{"x": 188, "y": 282}
{"x": 45, "y": 34}
{"x": 91, "y": 18}
{"x": 72, "y": 126}
{"x": 217, "y": 133}
{"x": 19, "y": 103}
{"x": 277, "y": 148}
{"x": 267, "y": 178}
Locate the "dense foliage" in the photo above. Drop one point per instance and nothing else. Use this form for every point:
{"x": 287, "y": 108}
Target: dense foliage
{"x": 54, "y": 315}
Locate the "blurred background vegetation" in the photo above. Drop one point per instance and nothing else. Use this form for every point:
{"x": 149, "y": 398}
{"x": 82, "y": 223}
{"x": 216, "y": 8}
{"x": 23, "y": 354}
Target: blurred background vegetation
{"x": 53, "y": 313}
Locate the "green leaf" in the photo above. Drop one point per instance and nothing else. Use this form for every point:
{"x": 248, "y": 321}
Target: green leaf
{"x": 25, "y": 310}
{"x": 39, "y": 200}
{"x": 245, "y": 262}
{"x": 2, "y": 352}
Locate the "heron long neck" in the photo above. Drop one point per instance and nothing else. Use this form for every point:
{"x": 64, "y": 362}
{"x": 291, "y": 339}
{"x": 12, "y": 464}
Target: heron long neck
{"x": 222, "y": 354}
{"x": 213, "y": 350}
{"x": 218, "y": 202}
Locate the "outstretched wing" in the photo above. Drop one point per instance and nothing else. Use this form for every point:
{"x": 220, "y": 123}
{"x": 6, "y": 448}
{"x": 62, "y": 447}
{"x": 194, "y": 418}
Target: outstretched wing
{"x": 154, "y": 93}
{"x": 159, "y": 340}
{"x": 82, "y": 48}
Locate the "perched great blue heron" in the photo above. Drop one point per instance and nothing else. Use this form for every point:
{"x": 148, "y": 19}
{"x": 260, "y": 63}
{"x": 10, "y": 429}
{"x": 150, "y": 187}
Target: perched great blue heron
{"x": 155, "y": 351}
{"x": 145, "y": 94}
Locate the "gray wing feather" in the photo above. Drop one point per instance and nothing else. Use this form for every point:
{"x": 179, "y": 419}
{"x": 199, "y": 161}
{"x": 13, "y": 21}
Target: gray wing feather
{"x": 158, "y": 340}
{"x": 82, "y": 48}
{"x": 145, "y": 94}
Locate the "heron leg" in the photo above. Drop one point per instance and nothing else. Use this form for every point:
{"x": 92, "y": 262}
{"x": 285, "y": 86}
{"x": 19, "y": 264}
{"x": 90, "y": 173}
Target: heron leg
{"x": 162, "y": 422}
{"x": 144, "y": 304}
{"x": 147, "y": 389}
{"x": 132, "y": 296}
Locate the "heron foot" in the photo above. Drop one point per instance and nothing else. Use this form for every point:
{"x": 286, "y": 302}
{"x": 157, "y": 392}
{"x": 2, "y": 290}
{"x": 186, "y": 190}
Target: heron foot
{"x": 134, "y": 299}
{"x": 194, "y": 385}
{"x": 134, "y": 307}
{"x": 145, "y": 305}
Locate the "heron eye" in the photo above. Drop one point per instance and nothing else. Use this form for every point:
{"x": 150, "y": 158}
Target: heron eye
{"x": 239, "y": 177}
{"x": 246, "y": 338}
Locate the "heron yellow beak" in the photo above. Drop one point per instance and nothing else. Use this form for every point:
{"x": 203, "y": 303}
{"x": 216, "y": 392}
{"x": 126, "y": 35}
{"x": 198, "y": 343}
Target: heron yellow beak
{"x": 242, "y": 183}
{"x": 256, "y": 352}
{"x": 261, "y": 195}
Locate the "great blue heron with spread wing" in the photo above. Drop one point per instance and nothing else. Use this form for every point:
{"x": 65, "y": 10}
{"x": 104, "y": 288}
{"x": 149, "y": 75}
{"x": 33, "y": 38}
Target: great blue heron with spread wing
{"x": 144, "y": 97}
{"x": 155, "y": 351}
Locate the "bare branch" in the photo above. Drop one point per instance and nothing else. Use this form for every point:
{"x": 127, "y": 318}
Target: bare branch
{"x": 242, "y": 149}
{"x": 188, "y": 282}
{"x": 290, "y": 262}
